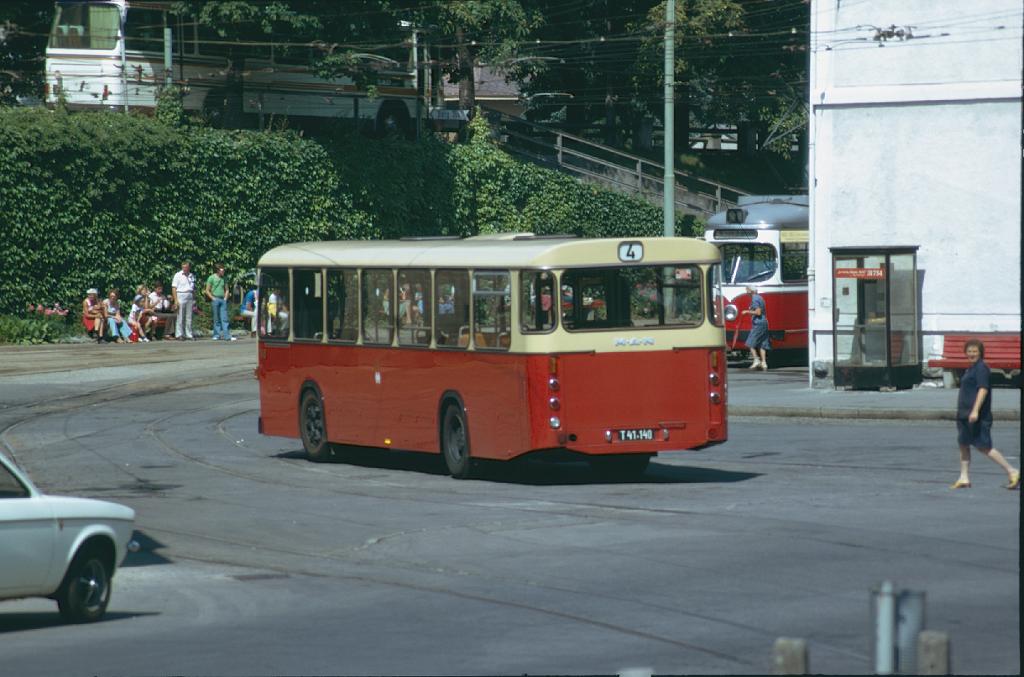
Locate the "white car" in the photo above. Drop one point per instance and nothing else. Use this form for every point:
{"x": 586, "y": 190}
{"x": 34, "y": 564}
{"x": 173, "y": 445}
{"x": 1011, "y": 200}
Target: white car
{"x": 59, "y": 547}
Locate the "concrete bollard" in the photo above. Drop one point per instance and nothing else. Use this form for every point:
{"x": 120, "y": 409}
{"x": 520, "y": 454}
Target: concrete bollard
{"x": 789, "y": 656}
{"x": 933, "y": 653}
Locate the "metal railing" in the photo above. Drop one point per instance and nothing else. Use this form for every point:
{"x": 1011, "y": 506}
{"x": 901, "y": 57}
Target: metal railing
{"x": 609, "y": 167}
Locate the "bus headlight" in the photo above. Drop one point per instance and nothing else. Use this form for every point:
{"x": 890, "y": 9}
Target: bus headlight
{"x": 731, "y": 313}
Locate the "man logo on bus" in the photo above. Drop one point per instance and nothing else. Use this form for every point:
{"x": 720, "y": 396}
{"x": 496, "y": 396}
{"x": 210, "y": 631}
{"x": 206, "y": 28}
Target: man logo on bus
{"x": 634, "y": 341}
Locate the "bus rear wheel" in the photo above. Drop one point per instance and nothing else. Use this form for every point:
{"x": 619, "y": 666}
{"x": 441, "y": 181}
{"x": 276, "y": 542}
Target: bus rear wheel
{"x": 455, "y": 442}
{"x": 313, "y": 428}
{"x": 620, "y": 466}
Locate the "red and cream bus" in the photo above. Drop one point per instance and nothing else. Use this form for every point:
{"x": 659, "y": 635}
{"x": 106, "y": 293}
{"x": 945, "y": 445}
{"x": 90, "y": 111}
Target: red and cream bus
{"x": 764, "y": 245}
{"x": 113, "y": 54}
{"x": 492, "y": 347}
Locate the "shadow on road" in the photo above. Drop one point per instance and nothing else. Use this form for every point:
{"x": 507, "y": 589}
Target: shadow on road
{"x": 147, "y": 554}
{"x": 538, "y": 469}
{"x": 38, "y": 620}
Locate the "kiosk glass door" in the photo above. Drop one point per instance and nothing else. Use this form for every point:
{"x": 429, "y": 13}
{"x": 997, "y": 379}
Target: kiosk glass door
{"x": 860, "y": 311}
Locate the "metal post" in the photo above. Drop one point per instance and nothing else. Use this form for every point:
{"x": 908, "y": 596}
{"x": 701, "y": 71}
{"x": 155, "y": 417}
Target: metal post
{"x": 885, "y": 630}
{"x": 558, "y": 148}
{"x": 416, "y": 76}
{"x": 124, "y": 63}
{"x": 167, "y": 56}
{"x": 669, "y": 188}
{"x": 910, "y": 606}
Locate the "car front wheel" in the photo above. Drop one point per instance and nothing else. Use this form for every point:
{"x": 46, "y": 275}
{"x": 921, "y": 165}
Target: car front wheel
{"x": 85, "y": 593}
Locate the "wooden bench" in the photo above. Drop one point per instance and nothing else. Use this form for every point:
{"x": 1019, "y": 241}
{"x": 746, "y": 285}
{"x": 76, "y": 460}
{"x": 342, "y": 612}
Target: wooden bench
{"x": 1002, "y": 353}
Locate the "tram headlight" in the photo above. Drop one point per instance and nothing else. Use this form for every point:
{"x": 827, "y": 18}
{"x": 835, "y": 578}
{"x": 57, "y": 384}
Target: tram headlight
{"x": 730, "y": 313}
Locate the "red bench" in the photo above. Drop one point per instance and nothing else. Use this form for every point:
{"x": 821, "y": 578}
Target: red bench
{"x": 1002, "y": 353}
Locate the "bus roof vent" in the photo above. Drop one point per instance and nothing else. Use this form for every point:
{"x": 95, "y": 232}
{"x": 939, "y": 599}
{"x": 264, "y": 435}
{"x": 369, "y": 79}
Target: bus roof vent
{"x": 421, "y": 238}
{"x": 552, "y": 236}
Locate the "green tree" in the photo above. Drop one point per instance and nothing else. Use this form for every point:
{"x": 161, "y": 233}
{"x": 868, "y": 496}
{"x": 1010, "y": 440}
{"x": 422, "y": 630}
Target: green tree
{"x": 471, "y": 31}
{"x": 241, "y": 25}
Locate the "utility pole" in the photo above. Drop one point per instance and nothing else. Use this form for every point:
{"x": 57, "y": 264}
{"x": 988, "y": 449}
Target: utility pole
{"x": 416, "y": 76}
{"x": 669, "y": 140}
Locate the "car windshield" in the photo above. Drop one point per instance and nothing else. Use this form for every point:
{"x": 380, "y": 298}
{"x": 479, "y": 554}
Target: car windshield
{"x": 747, "y": 262}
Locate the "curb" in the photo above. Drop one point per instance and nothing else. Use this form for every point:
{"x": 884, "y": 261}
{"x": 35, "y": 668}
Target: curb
{"x": 858, "y": 414}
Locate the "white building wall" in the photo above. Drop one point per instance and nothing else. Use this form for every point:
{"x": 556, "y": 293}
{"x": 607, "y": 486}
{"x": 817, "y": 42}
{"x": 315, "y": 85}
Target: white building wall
{"x": 917, "y": 142}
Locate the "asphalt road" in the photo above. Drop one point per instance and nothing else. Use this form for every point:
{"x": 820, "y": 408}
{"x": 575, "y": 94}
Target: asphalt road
{"x": 258, "y": 562}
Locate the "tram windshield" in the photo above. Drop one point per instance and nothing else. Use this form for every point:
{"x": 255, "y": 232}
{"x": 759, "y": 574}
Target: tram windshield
{"x": 747, "y": 262}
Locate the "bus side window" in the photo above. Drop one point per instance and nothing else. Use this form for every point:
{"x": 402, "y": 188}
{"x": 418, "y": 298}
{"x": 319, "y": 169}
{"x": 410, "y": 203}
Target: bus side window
{"x": 144, "y": 30}
{"x": 536, "y": 301}
{"x": 492, "y": 308}
{"x": 309, "y": 304}
{"x": 451, "y": 328}
{"x": 378, "y": 306}
{"x": 342, "y": 305}
{"x": 414, "y": 307}
{"x": 273, "y": 295}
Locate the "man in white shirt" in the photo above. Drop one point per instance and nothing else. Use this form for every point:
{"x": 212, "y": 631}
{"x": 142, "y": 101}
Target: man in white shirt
{"x": 183, "y": 291}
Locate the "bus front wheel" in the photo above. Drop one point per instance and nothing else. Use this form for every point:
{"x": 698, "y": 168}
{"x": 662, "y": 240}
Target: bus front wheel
{"x": 313, "y": 428}
{"x": 455, "y": 442}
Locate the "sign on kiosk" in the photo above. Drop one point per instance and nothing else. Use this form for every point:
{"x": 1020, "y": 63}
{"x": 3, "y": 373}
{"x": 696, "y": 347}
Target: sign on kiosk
{"x": 861, "y": 273}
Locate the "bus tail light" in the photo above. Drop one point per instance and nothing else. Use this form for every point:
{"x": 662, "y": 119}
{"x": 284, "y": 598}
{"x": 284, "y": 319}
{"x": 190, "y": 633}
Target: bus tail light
{"x": 553, "y": 384}
{"x": 554, "y": 403}
{"x": 555, "y": 422}
{"x": 553, "y": 365}
{"x": 716, "y": 398}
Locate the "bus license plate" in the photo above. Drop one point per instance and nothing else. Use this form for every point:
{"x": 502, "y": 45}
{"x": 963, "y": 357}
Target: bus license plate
{"x": 636, "y": 434}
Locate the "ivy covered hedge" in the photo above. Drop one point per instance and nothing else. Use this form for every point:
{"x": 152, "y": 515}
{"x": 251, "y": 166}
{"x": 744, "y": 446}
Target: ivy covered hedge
{"x": 108, "y": 200}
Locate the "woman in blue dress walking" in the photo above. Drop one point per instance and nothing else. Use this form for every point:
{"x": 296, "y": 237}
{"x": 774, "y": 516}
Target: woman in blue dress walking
{"x": 974, "y": 417}
{"x": 757, "y": 339}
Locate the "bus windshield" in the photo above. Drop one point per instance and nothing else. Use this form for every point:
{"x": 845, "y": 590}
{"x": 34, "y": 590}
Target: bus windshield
{"x": 747, "y": 262}
{"x": 85, "y": 25}
{"x": 632, "y": 296}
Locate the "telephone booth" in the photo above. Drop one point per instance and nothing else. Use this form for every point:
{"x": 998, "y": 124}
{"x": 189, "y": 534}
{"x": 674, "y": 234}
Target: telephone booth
{"x": 876, "y": 325}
